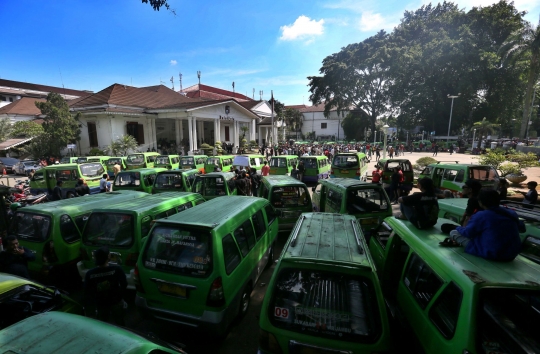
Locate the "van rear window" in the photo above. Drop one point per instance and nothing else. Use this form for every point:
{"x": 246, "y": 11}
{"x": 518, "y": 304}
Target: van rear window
{"x": 92, "y": 170}
{"x": 108, "y": 229}
{"x": 284, "y": 197}
{"x": 213, "y": 186}
{"x": 179, "y": 249}
{"x": 31, "y": 227}
{"x": 325, "y": 304}
{"x": 309, "y": 163}
{"x": 162, "y": 160}
{"x": 508, "y": 321}
{"x": 128, "y": 179}
{"x": 187, "y": 161}
{"x": 345, "y": 161}
{"x": 483, "y": 174}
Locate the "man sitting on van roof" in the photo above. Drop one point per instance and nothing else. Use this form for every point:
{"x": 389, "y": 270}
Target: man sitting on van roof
{"x": 492, "y": 233}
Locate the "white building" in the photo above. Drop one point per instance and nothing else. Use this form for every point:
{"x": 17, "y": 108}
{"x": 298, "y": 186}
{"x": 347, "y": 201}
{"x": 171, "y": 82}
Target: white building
{"x": 325, "y": 128}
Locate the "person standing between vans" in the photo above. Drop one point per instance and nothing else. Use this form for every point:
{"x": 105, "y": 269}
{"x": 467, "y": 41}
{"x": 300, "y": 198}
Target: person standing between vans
{"x": 265, "y": 170}
{"x": 376, "y": 175}
{"x": 421, "y": 209}
{"x": 294, "y": 172}
{"x": 301, "y": 170}
{"x": 492, "y": 233}
{"x": 57, "y": 191}
{"x": 531, "y": 196}
{"x": 255, "y": 181}
{"x": 117, "y": 168}
{"x": 104, "y": 288}
{"x": 14, "y": 259}
{"x": 435, "y": 150}
{"x": 103, "y": 183}
{"x": 471, "y": 189}
{"x": 377, "y": 153}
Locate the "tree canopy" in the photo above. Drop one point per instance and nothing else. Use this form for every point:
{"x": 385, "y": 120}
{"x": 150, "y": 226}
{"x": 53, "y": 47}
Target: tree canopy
{"x": 435, "y": 52}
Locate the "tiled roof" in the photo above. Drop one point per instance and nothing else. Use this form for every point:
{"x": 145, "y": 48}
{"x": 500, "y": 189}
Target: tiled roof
{"x": 205, "y": 91}
{"x": 304, "y": 109}
{"x": 43, "y": 88}
{"x": 144, "y": 97}
{"x": 297, "y": 106}
{"x": 26, "y": 106}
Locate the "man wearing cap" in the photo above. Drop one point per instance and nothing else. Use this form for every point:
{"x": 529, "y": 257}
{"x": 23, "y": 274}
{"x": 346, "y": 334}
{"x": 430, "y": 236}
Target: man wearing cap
{"x": 104, "y": 288}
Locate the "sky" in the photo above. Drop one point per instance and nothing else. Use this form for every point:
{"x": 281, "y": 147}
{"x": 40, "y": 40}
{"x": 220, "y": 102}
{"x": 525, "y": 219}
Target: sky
{"x": 261, "y": 46}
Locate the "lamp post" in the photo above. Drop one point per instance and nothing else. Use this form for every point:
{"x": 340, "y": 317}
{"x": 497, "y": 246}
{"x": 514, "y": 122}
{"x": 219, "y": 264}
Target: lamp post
{"x": 451, "y": 109}
{"x": 385, "y": 130}
{"x": 473, "y": 136}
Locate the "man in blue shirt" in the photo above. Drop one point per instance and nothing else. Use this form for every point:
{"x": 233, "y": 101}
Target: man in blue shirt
{"x": 492, "y": 233}
{"x": 103, "y": 184}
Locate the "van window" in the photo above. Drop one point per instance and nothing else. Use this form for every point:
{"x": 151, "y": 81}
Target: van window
{"x": 128, "y": 179}
{"x": 366, "y": 200}
{"x": 231, "y": 255}
{"x": 348, "y": 306}
{"x": 265, "y": 191}
{"x": 213, "y": 186}
{"x": 81, "y": 220}
{"x": 168, "y": 181}
{"x": 421, "y": 280}
{"x": 245, "y": 238}
{"x": 345, "y": 161}
{"x": 460, "y": 175}
{"x": 92, "y": 170}
{"x": 32, "y": 227}
{"x": 283, "y": 197}
{"x": 109, "y": 229}
{"x": 449, "y": 175}
{"x": 149, "y": 179}
{"x": 484, "y": 173}
{"x": 38, "y": 176}
{"x": 259, "y": 224}
{"x": 68, "y": 230}
{"x": 162, "y": 160}
{"x": 445, "y": 311}
{"x": 334, "y": 198}
{"x": 146, "y": 225}
{"x": 310, "y": 163}
{"x": 66, "y": 175}
{"x": 508, "y": 320}
{"x": 270, "y": 214}
{"x": 179, "y": 249}
{"x": 167, "y": 213}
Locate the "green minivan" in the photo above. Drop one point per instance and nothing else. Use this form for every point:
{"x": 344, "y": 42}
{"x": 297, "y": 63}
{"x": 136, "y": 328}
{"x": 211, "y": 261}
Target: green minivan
{"x": 368, "y": 202}
{"x": 324, "y": 295}
{"x": 52, "y": 231}
{"x": 198, "y": 267}
{"x": 44, "y": 180}
{"x": 170, "y": 162}
{"x": 175, "y": 180}
{"x": 283, "y": 164}
{"x": 453, "y": 301}
{"x": 122, "y": 226}
{"x": 141, "y": 179}
{"x": 120, "y": 160}
{"x": 215, "y": 184}
{"x": 224, "y": 162}
{"x": 288, "y": 196}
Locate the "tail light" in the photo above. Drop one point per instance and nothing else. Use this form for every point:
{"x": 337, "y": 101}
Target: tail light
{"x": 216, "y": 296}
{"x": 358, "y": 172}
{"x": 268, "y": 342}
{"x": 83, "y": 254}
{"x": 131, "y": 259}
{"x": 137, "y": 280}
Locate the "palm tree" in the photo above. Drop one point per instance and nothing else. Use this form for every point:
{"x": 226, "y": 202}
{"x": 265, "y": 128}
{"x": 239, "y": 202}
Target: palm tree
{"x": 525, "y": 44}
{"x": 484, "y": 127}
{"x": 122, "y": 145}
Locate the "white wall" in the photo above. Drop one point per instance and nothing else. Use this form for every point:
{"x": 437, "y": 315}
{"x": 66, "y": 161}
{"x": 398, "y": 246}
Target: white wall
{"x": 312, "y": 122}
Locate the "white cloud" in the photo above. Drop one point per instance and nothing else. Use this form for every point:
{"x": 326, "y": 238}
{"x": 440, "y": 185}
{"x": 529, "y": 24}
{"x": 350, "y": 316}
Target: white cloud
{"x": 370, "y": 21}
{"x": 303, "y": 27}
{"x": 173, "y": 62}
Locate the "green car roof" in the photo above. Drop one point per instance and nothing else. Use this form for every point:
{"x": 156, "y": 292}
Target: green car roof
{"x": 329, "y": 238}
{"x": 57, "y": 332}
{"x": 8, "y": 282}
{"x": 280, "y": 180}
{"x": 345, "y": 183}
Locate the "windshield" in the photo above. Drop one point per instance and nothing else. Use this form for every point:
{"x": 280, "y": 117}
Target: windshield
{"x": 30, "y": 163}
{"x": 309, "y": 163}
{"x": 65, "y": 160}
{"x": 128, "y": 179}
{"x": 31, "y": 227}
{"x": 366, "y": 201}
{"x": 213, "y": 186}
{"x": 326, "y": 304}
{"x": 483, "y": 174}
{"x": 179, "y": 249}
{"x": 135, "y": 159}
{"x": 278, "y": 162}
{"x": 81, "y": 159}
{"x": 162, "y": 160}
{"x": 213, "y": 161}
{"x": 113, "y": 161}
{"x": 346, "y": 161}
{"x": 187, "y": 161}
{"x": 168, "y": 181}
{"x": 92, "y": 169}
{"x": 109, "y": 229}
{"x": 507, "y": 321}
{"x": 286, "y": 197}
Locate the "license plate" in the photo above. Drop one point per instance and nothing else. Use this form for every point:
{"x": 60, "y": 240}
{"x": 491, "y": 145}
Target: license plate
{"x": 345, "y": 171}
{"x": 172, "y": 289}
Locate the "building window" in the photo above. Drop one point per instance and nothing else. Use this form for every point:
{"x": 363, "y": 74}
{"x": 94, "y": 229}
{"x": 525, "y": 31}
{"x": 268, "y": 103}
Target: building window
{"x": 324, "y": 125}
{"x": 3, "y": 98}
{"x": 11, "y": 99}
{"x": 136, "y": 130}
{"x": 92, "y": 134}
{"x": 227, "y": 133}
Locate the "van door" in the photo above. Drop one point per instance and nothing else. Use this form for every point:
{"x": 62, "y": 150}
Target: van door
{"x": 438, "y": 177}
{"x": 196, "y": 187}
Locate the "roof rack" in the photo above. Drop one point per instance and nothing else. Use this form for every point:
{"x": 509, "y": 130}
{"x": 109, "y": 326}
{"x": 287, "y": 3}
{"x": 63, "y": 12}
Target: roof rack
{"x": 296, "y": 229}
{"x": 438, "y": 162}
{"x": 360, "y": 249}
{"x": 523, "y": 210}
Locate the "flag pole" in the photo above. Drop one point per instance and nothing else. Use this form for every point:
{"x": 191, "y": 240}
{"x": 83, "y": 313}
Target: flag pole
{"x": 272, "y": 99}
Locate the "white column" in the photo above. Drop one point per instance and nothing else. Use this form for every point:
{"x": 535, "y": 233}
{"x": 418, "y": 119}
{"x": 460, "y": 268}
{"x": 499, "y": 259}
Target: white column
{"x": 154, "y": 131}
{"x": 190, "y": 131}
{"x": 177, "y": 130}
{"x": 194, "y": 125}
{"x": 215, "y": 131}
{"x": 236, "y": 137}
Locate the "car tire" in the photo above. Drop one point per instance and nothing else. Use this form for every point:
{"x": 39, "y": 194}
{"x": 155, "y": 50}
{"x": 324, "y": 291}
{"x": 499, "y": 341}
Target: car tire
{"x": 245, "y": 299}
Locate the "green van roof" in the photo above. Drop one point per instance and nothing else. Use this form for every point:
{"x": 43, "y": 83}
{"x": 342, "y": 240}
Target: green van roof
{"x": 226, "y": 175}
{"x": 145, "y": 170}
{"x": 146, "y": 203}
{"x": 81, "y": 203}
{"x": 345, "y": 183}
{"x": 327, "y": 237}
{"x": 216, "y": 211}
{"x": 462, "y": 267}
{"x": 279, "y": 180}
{"x": 58, "y": 332}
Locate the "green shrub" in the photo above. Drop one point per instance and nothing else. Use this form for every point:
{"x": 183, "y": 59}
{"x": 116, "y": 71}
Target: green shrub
{"x": 96, "y": 152}
{"x": 509, "y": 168}
{"x": 422, "y": 162}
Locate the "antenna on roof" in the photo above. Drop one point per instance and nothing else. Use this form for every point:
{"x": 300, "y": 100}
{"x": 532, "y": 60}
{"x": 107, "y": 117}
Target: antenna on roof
{"x": 261, "y": 94}
{"x": 172, "y": 80}
{"x": 199, "y": 76}
{"x": 253, "y": 93}
{"x": 180, "y": 76}
{"x": 62, "y": 79}
{"x": 233, "y": 88}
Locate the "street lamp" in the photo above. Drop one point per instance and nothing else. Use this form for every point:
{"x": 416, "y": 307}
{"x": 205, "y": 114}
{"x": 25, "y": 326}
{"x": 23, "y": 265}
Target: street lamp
{"x": 450, "y": 122}
{"x": 473, "y": 136}
{"x": 385, "y": 130}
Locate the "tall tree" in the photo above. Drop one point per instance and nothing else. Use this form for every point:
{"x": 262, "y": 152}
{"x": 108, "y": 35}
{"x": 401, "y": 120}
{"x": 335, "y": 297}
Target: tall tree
{"x": 60, "y": 127}
{"x": 524, "y": 44}
{"x": 5, "y": 128}
{"x": 123, "y": 145}
{"x": 355, "y": 78}
{"x": 26, "y": 129}
{"x": 293, "y": 119}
